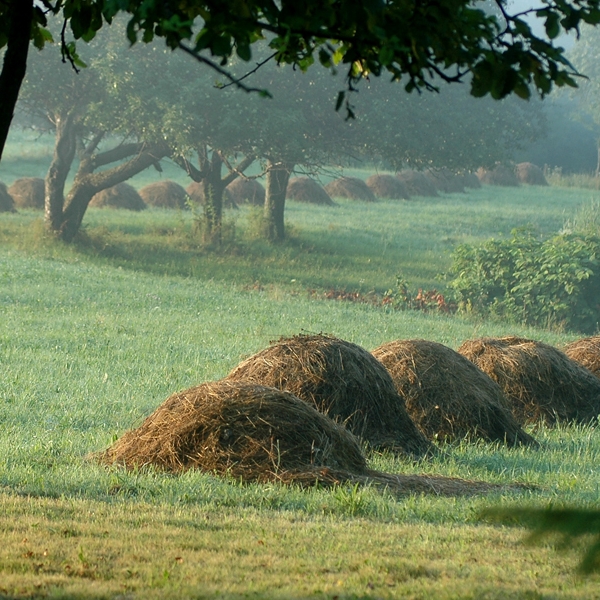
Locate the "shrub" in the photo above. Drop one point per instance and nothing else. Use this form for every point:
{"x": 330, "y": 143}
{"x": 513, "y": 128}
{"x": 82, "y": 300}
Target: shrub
{"x": 550, "y": 283}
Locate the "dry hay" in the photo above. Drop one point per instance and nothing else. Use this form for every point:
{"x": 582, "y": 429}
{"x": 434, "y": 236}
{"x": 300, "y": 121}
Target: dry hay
{"x": 28, "y": 192}
{"x": 165, "y": 194}
{"x": 540, "y": 381}
{"x": 447, "y": 396}
{"x": 470, "y": 180}
{"x": 7, "y": 204}
{"x": 195, "y": 193}
{"x": 350, "y": 187}
{"x": 121, "y": 195}
{"x": 388, "y": 186}
{"x": 305, "y": 189}
{"x": 446, "y": 181}
{"x": 499, "y": 175}
{"x": 247, "y": 191}
{"x": 418, "y": 183}
{"x": 530, "y": 174}
{"x": 341, "y": 380}
{"x": 586, "y": 352}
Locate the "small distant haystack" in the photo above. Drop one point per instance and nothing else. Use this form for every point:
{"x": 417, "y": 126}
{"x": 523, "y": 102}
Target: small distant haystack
{"x": 446, "y": 181}
{"x": 28, "y": 192}
{"x": 7, "y": 204}
{"x": 341, "y": 380}
{"x": 121, "y": 195}
{"x": 247, "y": 431}
{"x": 195, "y": 193}
{"x": 586, "y": 352}
{"x": 530, "y": 174}
{"x": 388, "y": 186}
{"x": 447, "y": 396}
{"x": 470, "y": 180}
{"x": 500, "y": 175}
{"x": 541, "y": 382}
{"x": 418, "y": 183}
{"x": 350, "y": 187}
{"x": 247, "y": 191}
{"x": 165, "y": 194}
{"x": 305, "y": 189}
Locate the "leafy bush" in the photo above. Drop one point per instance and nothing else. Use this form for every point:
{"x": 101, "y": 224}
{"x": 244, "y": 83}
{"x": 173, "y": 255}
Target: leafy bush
{"x": 550, "y": 283}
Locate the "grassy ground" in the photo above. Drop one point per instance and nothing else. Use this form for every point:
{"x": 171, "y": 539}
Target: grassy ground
{"x": 94, "y": 337}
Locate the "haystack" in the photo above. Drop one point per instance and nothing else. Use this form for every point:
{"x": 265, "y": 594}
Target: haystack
{"x": 28, "y": 192}
{"x": 121, "y": 195}
{"x": 418, "y": 183}
{"x": 305, "y": 189}
{"x": 530, "y": 174}
{"x": 350, "y": 187}
{"x": 446, "y": 181}
{"x": 501, "y": 175}
{"x": 195, "y": 193}
{"x": 248, "y": 191}
{"x": 165, "y": 194}
{"x": 586, "y": 352}
{"x": 388, "y": 186}
{"x": 541, "y": 382}
{"x": 341, "y": 380}
{"x": 447, "y": 396}
{"x": 7, "y": 204}
{"x": 470, "y": 180}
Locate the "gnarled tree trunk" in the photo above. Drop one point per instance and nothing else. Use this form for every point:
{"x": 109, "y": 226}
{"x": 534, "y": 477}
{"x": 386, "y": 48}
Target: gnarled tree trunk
{"x": 278, "y": 176}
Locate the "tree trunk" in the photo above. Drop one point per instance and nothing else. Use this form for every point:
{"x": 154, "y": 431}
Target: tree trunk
{"x": 62, "y": 160}
{"x": 598, "y": 161}
{"x": 213, "y": 187}
{"x": 20, "y": 16}
{"x": 278, "y": 176}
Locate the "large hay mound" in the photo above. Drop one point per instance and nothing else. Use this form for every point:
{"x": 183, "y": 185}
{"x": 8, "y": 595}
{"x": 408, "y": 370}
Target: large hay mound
{"x": 165, "y": 194}
{"x": 446, "y": 181}
{"x": 305, "y": 189}
{"x": 195, "y": 193}
{"x": 470, "y": 180}
{"x": 418, "y": 183}
{"x": 388, "y": 186}
{"x": 447, "y": 396}
{"x": 341, "y": 380}
{"x": 541, "y": 382}
{"x": 586, "y": 352}
{"x": 28, "y": 192}
{"x": 248, "y": 191}
{"x": 350, "y": 187}
{"x": 7, "y": 204}
{"x": 530, "y": 174}
{"x": 500, "y": 175}
{"x": 239, "y": 429}
{"x": 121, "y": 195}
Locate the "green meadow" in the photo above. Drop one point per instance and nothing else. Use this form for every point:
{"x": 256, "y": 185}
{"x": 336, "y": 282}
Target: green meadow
{"x": 95, "y": 335}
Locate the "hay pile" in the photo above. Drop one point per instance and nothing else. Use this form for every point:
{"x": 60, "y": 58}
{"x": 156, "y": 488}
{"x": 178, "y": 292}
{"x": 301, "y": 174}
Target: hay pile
{"x": 499, "y": 175}
{"x": 470, "y": 180}
{"x": 541, "y": 382}
{"x": 247, "y": 191}
{"x": 447, "y": 396}
{"x": 7, "y": 204}
{"x": 305, "y": 189}
{"x": 350, "y": 187}
{"x": 586, "y": 352}
{"x": 388, "y": 186}
{"x": 341, "y": 380}
{"x": 28, "y": 192}
{"x": 446, "y": 181}
{"x": 121, "y": 195}
{"x": 195, "y": 193}
{"x": 530, "y": 174}
{"x": 164, "y": 194}
{"x": 418, "y": 183}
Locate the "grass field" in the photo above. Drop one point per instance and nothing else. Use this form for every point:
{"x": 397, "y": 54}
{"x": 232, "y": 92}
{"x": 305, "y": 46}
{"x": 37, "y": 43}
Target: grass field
{"x": 95, "y": 336}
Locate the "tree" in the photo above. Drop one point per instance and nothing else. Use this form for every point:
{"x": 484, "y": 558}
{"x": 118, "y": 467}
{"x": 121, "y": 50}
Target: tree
{"x": 411, "y": 42}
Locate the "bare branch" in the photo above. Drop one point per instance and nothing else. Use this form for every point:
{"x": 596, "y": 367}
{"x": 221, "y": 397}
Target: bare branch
{"x": 258, "y": 66}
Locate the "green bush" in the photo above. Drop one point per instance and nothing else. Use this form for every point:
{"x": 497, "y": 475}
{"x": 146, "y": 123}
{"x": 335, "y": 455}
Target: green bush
{"x": 552, "y": 282}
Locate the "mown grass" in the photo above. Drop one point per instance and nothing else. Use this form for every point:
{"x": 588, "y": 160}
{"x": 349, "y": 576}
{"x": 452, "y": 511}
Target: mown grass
{"x": 95, "y": 336}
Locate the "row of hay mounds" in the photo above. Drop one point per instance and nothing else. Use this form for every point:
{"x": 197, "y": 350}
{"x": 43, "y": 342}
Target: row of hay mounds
{"x": 447, "y": 396}
{"x": 28, "y": 192}
{"x": 246, "y": 191}
{"x": 352, "y": 188}
{"x": 388, "y": 186}
{"x": 504, "y": 175}
{"x": 586, "y": 352}
{"x": 165, "y": 194}
{"x": 260, "y": 434}
{"x": 417, "y": 183}
{"x": 7, "y": 204}
{"x": 542, "y": 383}
{"x": 306, "y": 189}
{"x": 341, "y": 380}
{"x": 445, "y": 181}
{"x": 122, "y": 195}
